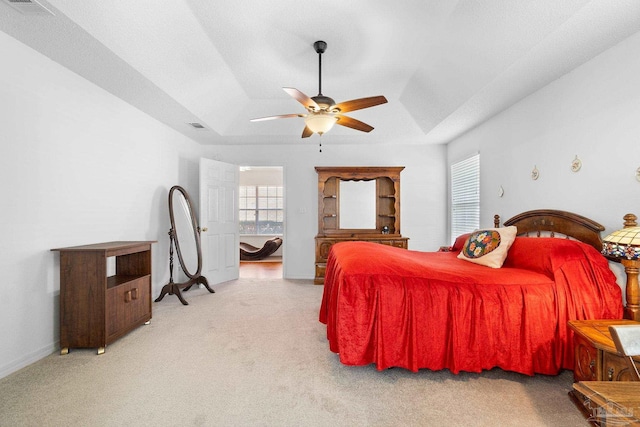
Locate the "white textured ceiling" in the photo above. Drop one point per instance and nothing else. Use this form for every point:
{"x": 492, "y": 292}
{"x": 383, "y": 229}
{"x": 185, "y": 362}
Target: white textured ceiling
{"x": 444, "y": 66}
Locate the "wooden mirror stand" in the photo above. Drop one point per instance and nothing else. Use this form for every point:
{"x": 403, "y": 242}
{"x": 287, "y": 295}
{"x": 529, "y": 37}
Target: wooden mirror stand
{"x": 184, "y": 236}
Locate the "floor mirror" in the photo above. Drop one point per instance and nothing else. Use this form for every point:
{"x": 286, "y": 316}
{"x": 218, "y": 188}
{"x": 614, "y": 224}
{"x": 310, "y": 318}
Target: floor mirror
{"x": 184, "y": 236}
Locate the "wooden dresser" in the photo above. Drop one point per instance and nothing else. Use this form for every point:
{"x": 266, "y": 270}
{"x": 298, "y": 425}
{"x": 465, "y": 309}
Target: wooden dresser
{"x": 386, "y": 204}
{"x": 323, "y": 245}
{"x": 96, "y": 309}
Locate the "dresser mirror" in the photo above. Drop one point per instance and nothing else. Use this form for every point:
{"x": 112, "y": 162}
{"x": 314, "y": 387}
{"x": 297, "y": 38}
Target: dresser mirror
{"x": 357, "y": 209}
{"x": 184, "y": 236}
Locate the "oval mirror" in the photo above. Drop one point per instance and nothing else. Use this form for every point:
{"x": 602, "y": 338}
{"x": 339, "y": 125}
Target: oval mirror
{"x": 186, "y": 232}
{"x": 185, "y": 237}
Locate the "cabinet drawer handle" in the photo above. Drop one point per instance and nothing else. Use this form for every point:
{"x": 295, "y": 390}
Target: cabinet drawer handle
{"x": 127, "y": 296}
{"x": 610, "y": 372}
{"x": 134, "y": 293}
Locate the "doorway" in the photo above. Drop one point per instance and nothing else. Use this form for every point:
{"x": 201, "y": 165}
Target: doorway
{"x": 261, "y": 213}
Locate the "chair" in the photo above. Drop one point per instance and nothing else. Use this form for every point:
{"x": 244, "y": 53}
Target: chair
{"x": 627, "y": 341}
{"x": 251, "y": 253}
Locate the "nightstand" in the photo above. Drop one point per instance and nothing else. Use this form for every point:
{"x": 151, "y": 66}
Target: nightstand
{"x": 596, "y": 358}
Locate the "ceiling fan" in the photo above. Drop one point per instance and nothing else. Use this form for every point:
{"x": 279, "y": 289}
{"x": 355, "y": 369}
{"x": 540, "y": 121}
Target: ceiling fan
{"x": 323, "y": 112}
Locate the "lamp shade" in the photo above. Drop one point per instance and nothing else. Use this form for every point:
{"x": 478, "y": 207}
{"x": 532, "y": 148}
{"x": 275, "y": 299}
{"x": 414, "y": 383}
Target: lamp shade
{"x": 320, "y": 122}
{"x": 623, "y": 243}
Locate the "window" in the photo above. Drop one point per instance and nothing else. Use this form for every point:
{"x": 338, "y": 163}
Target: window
{"x": 465, "y": 196}
{"x": 261, "y": 209}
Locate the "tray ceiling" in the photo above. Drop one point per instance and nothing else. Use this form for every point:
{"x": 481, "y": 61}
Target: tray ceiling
{"x": 444, "y": 66}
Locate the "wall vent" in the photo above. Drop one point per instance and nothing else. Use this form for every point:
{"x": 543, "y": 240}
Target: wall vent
{"x": 29, "y": 7}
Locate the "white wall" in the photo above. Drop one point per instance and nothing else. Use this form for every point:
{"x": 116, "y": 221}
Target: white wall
{"x": 592, "y": 112}
{"x": 78, "y": 166}
{"x": 422, "y": 186}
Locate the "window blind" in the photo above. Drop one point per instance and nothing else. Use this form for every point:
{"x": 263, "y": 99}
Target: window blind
{"x": 465, "y": 196}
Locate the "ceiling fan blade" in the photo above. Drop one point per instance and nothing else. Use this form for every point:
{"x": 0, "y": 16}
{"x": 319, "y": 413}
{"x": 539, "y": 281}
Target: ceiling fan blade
{"x": 281, "y": 116}
{"x": 306, "y": 133}
{"x": 359, "y": 104}
{"x": 302, "y": 98}
{"x": 353, "y": 123}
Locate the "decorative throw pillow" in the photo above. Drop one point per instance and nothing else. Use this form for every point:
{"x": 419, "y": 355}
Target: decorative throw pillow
{"x": 488, "y": 247}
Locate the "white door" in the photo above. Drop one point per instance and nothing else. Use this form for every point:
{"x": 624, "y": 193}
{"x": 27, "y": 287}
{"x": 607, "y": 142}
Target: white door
{"x": 219, "y": 221}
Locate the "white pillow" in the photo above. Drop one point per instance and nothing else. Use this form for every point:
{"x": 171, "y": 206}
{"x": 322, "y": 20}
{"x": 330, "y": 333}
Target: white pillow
{"x": 488, "y": 247}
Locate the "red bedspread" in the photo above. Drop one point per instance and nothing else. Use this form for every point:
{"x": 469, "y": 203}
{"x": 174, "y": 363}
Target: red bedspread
{"x": 400, "y": 308}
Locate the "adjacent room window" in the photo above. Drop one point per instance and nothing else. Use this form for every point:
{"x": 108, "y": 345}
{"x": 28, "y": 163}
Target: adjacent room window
{"x": 465, "y": 196}
{"x": 261, "y": 209}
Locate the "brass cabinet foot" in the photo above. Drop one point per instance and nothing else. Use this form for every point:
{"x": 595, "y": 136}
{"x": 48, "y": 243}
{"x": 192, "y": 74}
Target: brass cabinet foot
{"x": 64, "y": 350}
{"x": 100, "y": 350}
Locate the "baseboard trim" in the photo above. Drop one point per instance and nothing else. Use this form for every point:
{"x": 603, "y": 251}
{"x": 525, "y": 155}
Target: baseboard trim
{"x": 28, "y": 359}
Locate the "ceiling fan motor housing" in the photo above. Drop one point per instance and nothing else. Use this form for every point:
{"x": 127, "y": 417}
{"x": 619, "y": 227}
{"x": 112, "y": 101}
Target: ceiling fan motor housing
{"x": 325, "y": 103}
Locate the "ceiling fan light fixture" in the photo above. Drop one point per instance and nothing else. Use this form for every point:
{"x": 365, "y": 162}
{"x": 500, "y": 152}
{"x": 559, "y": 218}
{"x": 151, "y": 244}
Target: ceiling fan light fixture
{"x": 320, "y": 122}
{"x": 323, "y": 112}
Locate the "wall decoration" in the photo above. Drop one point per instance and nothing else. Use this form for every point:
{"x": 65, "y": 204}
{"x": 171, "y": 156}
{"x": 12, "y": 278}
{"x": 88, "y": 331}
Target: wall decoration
{"x": 535, "y": 173}
{"x": 576, "y": 164}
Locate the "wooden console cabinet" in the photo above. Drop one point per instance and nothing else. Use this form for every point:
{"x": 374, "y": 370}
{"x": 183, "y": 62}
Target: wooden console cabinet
{"x": 386, "y": 230}
{"x": 96, "y": 309}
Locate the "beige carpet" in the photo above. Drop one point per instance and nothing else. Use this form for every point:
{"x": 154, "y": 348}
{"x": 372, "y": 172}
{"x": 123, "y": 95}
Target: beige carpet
{"x": 254, "y": 354}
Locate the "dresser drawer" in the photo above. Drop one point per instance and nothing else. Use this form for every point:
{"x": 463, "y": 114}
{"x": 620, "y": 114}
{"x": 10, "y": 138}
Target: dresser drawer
{"x": 615, "y": 367}
{"x": 402, "y": 244}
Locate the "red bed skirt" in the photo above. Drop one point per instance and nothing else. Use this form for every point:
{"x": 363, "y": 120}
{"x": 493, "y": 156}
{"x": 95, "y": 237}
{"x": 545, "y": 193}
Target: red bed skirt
{"x": 415, "y": 310}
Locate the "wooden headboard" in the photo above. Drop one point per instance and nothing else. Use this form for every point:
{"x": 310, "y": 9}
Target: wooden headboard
{"x": 552, "y": 222}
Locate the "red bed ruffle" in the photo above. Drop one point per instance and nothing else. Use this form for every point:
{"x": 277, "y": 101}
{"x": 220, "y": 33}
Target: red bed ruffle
{"x": 409, "y": 309}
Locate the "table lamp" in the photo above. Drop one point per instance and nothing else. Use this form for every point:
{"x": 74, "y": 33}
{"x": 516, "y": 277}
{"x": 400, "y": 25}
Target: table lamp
{"x": 624, "y": 246}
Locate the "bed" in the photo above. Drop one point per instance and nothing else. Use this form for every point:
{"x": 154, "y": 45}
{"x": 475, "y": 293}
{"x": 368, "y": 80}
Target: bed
{"x": 432, "y": 310}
